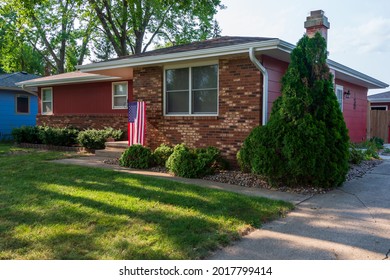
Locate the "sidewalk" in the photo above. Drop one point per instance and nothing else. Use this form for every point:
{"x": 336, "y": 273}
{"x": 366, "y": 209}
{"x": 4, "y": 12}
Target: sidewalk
{"x": 349, "y": 223}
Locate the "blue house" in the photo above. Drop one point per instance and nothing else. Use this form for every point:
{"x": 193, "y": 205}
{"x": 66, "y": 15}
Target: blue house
{"x": 18, "y": 106}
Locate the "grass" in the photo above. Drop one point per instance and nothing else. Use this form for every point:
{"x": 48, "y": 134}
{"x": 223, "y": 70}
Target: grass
{"x": 52, "y": 211}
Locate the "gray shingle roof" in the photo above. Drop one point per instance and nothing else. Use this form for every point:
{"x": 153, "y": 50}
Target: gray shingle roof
{"x": 206, "y": 44}
{"x": 382, "y": 95}
{"x": 9, "y": 80}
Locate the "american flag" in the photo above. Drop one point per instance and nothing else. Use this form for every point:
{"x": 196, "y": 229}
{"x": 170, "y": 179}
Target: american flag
{"x": 137, "y": 123}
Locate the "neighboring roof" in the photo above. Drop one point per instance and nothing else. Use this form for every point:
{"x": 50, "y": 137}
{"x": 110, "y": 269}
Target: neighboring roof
{"x": 9, "y": 81}
{"x": 66, "y": 78}
{"x": 215, "y": 48}
{"x": 379, "y": 97}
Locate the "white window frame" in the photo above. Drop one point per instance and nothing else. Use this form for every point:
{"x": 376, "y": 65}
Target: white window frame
{"x": 16, "y": 104}
{"x": 380, "y": 106}
{"x": 114, "y": 96}
{"x": 190, "y": 66}
{"x": 52, "y": 103}
{"x": 341, "y": 88}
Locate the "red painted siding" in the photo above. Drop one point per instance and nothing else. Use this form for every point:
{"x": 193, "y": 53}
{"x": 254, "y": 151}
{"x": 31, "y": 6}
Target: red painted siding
{"x": 355, "y": 110}
{"x": 276, "y": 69}
{"x": 89, "y": 98}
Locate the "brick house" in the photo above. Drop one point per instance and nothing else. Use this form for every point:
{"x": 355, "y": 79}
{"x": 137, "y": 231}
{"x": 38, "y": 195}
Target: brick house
{"x": 205, "y": 93}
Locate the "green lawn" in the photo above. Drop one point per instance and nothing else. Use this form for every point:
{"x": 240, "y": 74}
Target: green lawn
{"x": 52, "y": 211}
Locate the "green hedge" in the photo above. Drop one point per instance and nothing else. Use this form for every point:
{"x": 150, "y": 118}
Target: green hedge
{"x": 137, "y": 156}
{"x": 90, "y": 138}
{"x": 194, "y": 163}
{"x": 161, "y": 154}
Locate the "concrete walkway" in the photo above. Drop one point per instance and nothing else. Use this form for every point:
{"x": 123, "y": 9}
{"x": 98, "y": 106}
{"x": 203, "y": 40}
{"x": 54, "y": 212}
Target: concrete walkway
{"x": 351, "y": 222}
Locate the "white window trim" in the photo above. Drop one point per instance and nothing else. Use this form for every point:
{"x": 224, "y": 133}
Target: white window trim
{"x": 338, "y": 87}
{"x": 189, "y": 66}
{"x": 52, "y": 101}
{"x": 16, "y": 104}
{"x": 112, "y": 95}
{"x": 380, "y": 106}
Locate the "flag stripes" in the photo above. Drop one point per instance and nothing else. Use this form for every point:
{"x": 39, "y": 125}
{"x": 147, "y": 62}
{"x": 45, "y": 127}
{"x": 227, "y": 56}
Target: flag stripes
{"x": 137, "y": 122}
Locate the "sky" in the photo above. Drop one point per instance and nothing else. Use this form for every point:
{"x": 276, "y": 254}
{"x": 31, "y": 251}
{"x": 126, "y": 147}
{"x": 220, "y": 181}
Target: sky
{"x": 359, "y": 34}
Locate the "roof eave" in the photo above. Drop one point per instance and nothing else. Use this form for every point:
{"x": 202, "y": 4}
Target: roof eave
{"x": 64, "y": 81}
{"x": 181, "y": 56}
{"x": 370, "y": 82}
{"x": 379, "y": 100}
{"x": 25, "y": 90}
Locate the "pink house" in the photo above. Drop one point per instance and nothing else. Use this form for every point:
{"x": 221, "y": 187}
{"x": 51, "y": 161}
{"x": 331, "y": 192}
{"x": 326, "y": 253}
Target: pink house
{"x": 205, "y": 93}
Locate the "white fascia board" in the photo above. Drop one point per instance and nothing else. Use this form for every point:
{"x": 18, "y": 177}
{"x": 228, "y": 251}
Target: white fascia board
{"x": 356, "y": 74}
{"x": 180, "y": 56}
{"x": 64, "y": 81}
{"x": 381, "y": 100}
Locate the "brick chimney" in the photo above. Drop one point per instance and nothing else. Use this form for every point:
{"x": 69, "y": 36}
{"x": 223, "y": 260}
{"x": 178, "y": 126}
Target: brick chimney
{"x": 317, "y": 22}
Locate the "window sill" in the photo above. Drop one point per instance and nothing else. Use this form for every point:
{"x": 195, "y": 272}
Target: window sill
{"x": 189, "y": 117}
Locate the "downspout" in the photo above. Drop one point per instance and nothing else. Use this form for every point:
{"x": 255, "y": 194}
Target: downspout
{"x": 265, "y": 83}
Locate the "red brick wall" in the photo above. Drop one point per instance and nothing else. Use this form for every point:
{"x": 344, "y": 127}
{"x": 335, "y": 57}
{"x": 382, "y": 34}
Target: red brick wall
{"x": 239, "y": 109}
{"x": 117, "y": 121}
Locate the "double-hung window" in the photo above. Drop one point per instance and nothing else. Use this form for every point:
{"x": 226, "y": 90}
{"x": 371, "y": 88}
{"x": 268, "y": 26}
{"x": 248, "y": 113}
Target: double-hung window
{"x": 47, "y": 101}
{"x": 119, "y": 95}
{"x": 192, "y": 90}
{"x": 22, "y": 104}
{"x": 339, "y": 95}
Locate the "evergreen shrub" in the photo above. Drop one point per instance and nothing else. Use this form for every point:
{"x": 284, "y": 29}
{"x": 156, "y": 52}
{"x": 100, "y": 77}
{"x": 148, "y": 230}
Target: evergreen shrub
{"x": 137, "y": 156}
{"x": 116, "y": 134}
{"x": 305, "y": 142}
{"x": 26, "y": 134}
{"x": 161, "y": 154}
{"x": 58, "y": 136}
{"x": 92, "y": 139}
{"x": 194, "y": 163}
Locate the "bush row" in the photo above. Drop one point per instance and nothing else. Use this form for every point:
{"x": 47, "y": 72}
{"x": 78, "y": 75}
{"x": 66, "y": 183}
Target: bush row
{"x": 90, "y": 138}
{"x": 180, "y": 160}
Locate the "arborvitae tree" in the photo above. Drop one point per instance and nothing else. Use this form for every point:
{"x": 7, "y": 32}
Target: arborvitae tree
{"x": 305, "y": 142}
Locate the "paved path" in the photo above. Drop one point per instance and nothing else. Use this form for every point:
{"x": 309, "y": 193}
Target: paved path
{"x": 352, "y": 222}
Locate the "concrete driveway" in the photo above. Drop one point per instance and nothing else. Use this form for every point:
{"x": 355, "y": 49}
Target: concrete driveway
{"x": 352, "y": 222}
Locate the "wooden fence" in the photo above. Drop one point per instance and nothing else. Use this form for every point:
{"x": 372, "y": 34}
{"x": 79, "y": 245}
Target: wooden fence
{"x": 379, "y": 124}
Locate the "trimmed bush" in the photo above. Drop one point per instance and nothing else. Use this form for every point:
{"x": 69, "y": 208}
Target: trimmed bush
{"x": 136, "y": 156}
{"x": 116, "y": 134}
{"x": 161, "y": 154}
{"x": 92, "y": 139}
{"x": 305, "y": 142}
{"x": 26, "y": 134}
{"x": 193, "y": 163}
{"x": 58, "y": 136}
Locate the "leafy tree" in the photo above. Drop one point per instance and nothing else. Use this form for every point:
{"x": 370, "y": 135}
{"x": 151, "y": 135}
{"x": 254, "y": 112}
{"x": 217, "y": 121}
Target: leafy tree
{"x": 58, "y": 30}
{"x": 306, "y": 140}
{"x": 132, "y": 25}
{"x": 15, "y": 53}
